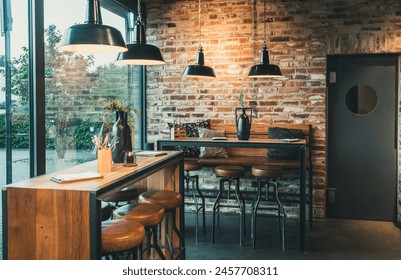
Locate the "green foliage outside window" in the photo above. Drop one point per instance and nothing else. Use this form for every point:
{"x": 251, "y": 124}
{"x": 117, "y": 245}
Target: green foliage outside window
{"x": 83, "y": 133}
{"x": 20, "y": 131}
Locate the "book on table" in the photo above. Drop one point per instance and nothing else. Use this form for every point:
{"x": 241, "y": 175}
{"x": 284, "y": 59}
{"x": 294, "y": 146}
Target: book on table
{"x": 150, "y": 153}
{"x": 73, "y": 177}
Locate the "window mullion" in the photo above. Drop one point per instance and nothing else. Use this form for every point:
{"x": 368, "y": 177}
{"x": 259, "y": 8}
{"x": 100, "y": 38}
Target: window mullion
{"x": 37, "y": 131}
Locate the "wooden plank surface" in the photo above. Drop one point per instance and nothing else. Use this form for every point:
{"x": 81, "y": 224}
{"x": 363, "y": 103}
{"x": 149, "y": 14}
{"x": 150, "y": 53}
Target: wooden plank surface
{"x": 48, "y": 224}
{"x": 117, "y": 173}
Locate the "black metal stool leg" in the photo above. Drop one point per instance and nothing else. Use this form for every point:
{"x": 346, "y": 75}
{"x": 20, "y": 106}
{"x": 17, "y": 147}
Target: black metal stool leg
{"x": 193, "y": 181}
{"x": 177, "y": 232}
{"x": 241, "y": 206}
{"x": 138, "y": 252}
{"x": 203, "y": 203}
{"x": 170, "y": 246}
{"x": 216, "y": 206}
{"x": 255, "y": 212}
{"x": 187, "y": 178}
{"x": 153, "y": 231}
{"x": 281, "y": 215}
{"x": 167, "y": 236}
{"x": 148, "y": 234}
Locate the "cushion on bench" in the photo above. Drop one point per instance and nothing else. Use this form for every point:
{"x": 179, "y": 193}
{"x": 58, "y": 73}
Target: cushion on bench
{"x": 212, "y": 152}
{"x": 283, "y": 133}
{"x": 192, "y": 130}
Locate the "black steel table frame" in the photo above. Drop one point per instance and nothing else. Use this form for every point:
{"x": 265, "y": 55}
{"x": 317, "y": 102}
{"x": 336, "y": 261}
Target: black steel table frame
{"x": 276, "y": 144}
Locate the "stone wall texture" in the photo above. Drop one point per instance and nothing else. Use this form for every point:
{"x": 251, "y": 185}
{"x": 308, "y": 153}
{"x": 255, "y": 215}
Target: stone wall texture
{"x": 300, "y": 34}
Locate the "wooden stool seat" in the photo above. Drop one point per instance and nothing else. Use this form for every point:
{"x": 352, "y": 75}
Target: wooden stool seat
{"x": 148, "y": 214}
{"x": 121, "y": 235}
{"x": 191, "y": 165}
{"x": 164, "y": 198}
{"x": 229, "y": 171}
{"x": 266, "y": 171}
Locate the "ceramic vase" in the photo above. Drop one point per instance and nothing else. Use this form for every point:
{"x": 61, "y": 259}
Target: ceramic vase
{"x": 122, "y": 133}
{"x": 243, "y": 123}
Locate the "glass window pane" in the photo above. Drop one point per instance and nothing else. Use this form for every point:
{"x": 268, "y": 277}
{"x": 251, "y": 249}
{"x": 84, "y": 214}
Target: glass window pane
{"x": 78, "y": 87}
{"x": 14, "y": 114}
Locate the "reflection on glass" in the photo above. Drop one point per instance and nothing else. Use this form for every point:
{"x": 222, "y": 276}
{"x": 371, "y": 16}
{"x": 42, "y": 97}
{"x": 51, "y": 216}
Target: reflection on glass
{"x": 361, "y": 99}
{"x": 14, "y": 114}
{"x": 75, "y": 85}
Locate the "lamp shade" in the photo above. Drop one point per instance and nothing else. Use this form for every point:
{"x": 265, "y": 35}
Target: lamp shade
{"x": 264, "y": 69}
{"x": 92, "y": 36}
{"x": 140, "y": 53}
{"x": 199, "y": 70}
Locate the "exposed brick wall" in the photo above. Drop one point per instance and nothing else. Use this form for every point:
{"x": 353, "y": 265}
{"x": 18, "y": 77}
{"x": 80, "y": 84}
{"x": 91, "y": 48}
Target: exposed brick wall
{"x": 299, "y": 36}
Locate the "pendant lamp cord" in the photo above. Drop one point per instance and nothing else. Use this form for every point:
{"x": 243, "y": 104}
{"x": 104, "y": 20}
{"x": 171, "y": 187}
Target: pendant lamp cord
{"x": 139, "y": 11}
{"x": 264, "y": 20}
{"x": 199, "y": 20}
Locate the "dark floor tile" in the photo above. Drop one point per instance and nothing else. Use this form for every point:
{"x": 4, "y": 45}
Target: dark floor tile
{"x": 331, "y": 240}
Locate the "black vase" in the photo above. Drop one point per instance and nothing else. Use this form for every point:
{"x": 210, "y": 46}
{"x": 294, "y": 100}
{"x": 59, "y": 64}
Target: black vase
{"x": 243, "y": 123}
{"x": 122, "y": 133}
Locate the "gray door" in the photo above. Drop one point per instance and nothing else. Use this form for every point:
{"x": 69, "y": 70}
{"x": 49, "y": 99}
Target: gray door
{"x": 361, "y": 137}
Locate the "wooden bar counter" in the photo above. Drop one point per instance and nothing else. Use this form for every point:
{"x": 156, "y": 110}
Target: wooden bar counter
{"x": 47, "y": 220}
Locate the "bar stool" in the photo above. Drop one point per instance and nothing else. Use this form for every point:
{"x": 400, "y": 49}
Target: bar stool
{"x": 230, "y": 173}
{"x": 150, "y": 216}
{"x": 170, "y": 201}
{"x": 121, "y": 237}
{"x": 266, "y": 176}
{"x": 194, "y": 180}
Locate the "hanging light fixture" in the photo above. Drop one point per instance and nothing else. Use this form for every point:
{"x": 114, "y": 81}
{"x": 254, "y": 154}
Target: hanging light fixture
{"x": 140, "y": 53}
{"x": 264, "y": 69}
{"x": 92, "y": 36}
{"x": 199, "y": 70}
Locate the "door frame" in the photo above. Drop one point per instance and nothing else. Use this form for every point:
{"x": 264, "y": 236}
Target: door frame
{"x": 397, "y": 124}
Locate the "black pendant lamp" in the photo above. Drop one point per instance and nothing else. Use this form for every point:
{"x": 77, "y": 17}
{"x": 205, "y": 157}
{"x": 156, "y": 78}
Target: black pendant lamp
{"x": 92, "y": 36}
{"x": 140, "y": 53}
{"x": 264, "y": 69}
{"x": 199, "y": 70}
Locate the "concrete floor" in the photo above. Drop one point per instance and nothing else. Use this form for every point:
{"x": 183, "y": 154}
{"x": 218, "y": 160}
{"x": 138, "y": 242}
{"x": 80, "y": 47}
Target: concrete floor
{"x": 331, "y": 239}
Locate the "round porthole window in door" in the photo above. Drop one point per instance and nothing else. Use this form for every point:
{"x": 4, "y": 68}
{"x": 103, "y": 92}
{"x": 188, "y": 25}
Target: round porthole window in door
{"x": 361, "y": 99}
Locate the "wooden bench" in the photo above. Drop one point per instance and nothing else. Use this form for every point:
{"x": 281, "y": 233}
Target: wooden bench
{"x": 247, "y": 157}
